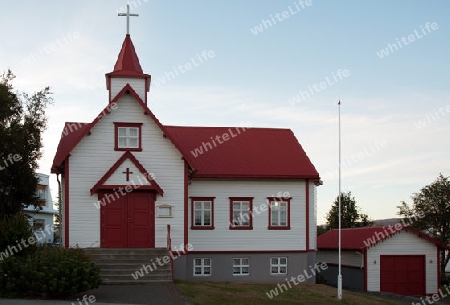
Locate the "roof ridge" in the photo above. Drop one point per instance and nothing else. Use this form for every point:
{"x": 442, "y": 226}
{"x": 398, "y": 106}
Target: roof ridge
{"x": 246, "y": 127}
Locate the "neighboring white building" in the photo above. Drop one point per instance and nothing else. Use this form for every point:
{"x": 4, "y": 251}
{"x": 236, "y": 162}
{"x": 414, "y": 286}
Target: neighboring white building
{"x": 240, "y": 202}
{"x": 397, "y": 259}
{"x": 45, "y": 217}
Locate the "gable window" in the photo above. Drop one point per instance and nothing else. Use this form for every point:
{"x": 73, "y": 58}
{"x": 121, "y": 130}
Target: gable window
{"x": 278, "y": 265}
{"x": 202, "y": 266}
{"x": 38, "y": 224}
{"x": 279, "y": 213}
{"x": 241, "y": 216}
{"x": 41, "y": 194}
{"x": 128, "y": 136}
{"x": 241, "y": 266}
{"x": 202, "y": 215}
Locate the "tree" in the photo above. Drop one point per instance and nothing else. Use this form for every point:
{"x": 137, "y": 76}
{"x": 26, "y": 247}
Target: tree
{"x": 22, "y": 121}
{"x": 350, "y": 214}
{"x": 321, "y": 230}
{"x": 431, "y": 213}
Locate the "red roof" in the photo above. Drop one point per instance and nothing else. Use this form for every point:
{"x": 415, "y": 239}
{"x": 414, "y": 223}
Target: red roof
{"x": 247, "y": 153}
{"x": 243, "y": 152}
{"x": 361, "y": 238}
{"x": 71, "y": 133}
{"x": 128, "y": 62}
{"x": 77, "y": 131}
{"x": 210, "y": 151}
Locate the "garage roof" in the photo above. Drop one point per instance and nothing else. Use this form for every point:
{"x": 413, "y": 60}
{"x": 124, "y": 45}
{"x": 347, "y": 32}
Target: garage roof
{"x": 366, "y": 237}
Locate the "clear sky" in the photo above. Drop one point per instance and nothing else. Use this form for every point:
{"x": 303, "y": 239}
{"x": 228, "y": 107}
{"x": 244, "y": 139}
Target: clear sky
{"x": 281, "y": 63}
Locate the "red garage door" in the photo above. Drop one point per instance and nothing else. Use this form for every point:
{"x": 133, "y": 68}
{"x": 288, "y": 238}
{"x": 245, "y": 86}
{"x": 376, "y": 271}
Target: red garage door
{"x": 402, "y": 274}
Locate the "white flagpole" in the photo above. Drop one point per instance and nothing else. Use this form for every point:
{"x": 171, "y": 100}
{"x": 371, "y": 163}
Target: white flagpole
{"x": 339, "y": 292}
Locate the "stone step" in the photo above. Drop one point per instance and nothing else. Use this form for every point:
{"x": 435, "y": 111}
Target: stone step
{"x": 113, "y": 266}
{"x": 107, "y": 281}
{"x": 117, "y": 265}
{"x": 130, "y": 260}
{"x": 131, "y": 251}
{"x": 134, "y": 270}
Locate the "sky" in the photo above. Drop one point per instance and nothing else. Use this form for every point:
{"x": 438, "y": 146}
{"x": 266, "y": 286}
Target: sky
{"x": 277, "y": 64}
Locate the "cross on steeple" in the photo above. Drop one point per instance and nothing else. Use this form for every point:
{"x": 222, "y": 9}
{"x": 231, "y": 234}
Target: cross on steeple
{"x": 127, "y": 172}
{"x": 127, "y": 14}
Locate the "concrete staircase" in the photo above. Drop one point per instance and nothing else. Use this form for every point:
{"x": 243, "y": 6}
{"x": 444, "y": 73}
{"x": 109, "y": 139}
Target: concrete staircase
{"x": 117, "y": 266}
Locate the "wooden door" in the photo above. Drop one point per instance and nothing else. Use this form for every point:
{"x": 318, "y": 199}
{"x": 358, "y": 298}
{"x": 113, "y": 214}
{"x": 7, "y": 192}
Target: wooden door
{"x": 127, "y": 221}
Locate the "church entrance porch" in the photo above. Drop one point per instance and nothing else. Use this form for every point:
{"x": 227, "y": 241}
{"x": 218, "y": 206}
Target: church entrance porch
{"x": 127, "y": 221}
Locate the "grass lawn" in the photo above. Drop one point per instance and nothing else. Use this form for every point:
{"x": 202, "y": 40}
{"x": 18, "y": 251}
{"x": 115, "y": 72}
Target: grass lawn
{"x": 242, "y": 293}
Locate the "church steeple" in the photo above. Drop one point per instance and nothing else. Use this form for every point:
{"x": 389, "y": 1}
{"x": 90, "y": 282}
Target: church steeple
{"x": 127, "y": 69}
{"x": 127, "y": 63}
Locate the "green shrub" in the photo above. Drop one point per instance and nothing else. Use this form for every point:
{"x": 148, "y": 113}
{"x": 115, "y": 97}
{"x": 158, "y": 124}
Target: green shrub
{"x": 16, "y": 236}
{"x": 48, "y": 273}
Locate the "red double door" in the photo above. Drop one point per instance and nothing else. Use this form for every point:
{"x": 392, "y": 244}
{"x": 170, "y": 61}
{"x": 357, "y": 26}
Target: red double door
{"x": 127, "y": 220}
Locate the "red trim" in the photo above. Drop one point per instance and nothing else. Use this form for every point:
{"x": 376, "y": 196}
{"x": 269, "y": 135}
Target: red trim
{"x": 307, "y": 213}
{"x": 365, "y": 269}
{"x": 127, "y": 155}
{"x": 147, "y": 87}
{"x": 108, "y": 85}
{"x": 116, "y": 136}
{"x": 194, "y": 227}
{"x": 186, "y": 206}
{"x": 66, "y": 203}
{"x": 61, "y": 156}
{"x": 288, "y": 223}
{"x": 427, "y": 237}
{"x": 250, "y": 221}
{"x": 123, "y": 186}
{"x": 259, "y": 176}
{"x": 250, "y": 251}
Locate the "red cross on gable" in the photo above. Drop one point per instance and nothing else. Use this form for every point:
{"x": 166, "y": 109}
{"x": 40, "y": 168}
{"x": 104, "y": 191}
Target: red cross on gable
{"x": 141, "y": 171}
{"x": 127, "y": 172}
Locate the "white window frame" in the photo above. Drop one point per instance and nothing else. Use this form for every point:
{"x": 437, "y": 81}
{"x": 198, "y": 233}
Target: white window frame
{"x": 241, "y": 266}
{"x": 278, "y": 207}
{"x": 237, "y": 221}
{"x": 202, "y": 212}
{"x": 278, "y": 265}
{"x": 127, "y": 137}
{"x": 202, "y": 266}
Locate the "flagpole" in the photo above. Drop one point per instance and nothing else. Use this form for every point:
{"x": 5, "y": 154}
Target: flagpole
{"x": 339, "y": 292}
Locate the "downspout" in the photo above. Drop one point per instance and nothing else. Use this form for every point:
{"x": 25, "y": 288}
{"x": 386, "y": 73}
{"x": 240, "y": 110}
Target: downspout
{"x": 59, "y": 211}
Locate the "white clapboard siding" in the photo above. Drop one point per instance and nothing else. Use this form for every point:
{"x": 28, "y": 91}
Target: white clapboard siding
{"x": 260, "y": 238}
{"x": 95, "y": 155}
{"x": 403, "y": 243}
{"x": 348, "y": 258}
{"x": 312, "y": 216}
{"x": 138, "y": 85}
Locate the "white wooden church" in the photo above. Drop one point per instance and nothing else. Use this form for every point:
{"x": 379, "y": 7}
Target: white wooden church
{"x": 240, "y": 202}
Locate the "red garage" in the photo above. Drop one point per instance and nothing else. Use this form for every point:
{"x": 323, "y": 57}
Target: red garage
{"x": 397, "y": 259}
